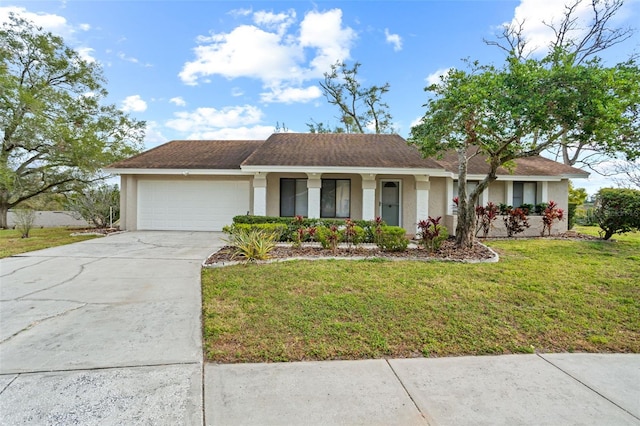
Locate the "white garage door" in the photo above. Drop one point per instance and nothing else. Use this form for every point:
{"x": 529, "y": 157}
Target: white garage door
{"x": 197, "y": 205}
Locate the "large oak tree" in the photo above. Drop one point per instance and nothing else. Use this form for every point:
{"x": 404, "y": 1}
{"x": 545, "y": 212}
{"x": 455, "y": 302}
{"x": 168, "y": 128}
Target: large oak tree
{"x": 56, "y": 132}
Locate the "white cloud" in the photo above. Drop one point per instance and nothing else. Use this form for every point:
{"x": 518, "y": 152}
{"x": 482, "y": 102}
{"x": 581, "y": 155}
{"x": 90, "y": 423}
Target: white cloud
{"x": 246, "y": 133}
{"x": 178, "y": 101}
{"x": 275, "y": 21}
{"x": 393, "y": 39}
{"x": 240, "y": 12}
{"x": 237, "y": 91}
{"x": 416, "y": 121}
{"x": 324, "y": 32}
{"x": 206, "y": 120}
{"x": 274, "y": 51}
{"x": 247, "y": 51}
{"x": 134, "y": 103}
{"x": 435, "y": 77}
{"x": 55, "y": 23}
{"x": 124, "y": 57}
{"x": 153, "y": 135}
{"x": 290, "y": 95}
{"x": 86, "y": 53}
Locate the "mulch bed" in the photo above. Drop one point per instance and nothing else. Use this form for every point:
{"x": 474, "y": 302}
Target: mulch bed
{"x": 447, "y": 251}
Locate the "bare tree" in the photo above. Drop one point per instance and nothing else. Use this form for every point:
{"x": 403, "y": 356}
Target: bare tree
{"x": 583, "y": 40}
{"x": 360, "y": 107}
{"x": 631, "y": 172}
{"x": 570, "y": 34}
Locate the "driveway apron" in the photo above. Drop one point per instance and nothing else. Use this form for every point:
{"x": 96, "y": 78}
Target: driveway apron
{"x": 104, "y": 331}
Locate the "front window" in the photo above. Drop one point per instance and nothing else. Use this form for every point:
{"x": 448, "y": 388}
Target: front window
{"x": 293, "y": 197}
{"x": 471, "y": 186}
{"x": 524, "y": 193}
{"x": 335, "y": 198}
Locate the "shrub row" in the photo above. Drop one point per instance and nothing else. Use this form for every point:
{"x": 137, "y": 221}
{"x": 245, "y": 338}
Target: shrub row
{"x": 328, "y": 232}
{"x": 292, "y": 225}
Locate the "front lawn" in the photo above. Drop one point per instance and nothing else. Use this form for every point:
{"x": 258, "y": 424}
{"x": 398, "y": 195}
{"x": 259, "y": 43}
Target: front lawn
{"x": 11, "y": 243}
{"x": 544, "y": 295}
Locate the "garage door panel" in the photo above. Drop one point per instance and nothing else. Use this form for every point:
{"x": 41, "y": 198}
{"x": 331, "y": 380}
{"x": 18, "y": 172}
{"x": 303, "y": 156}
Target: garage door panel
{"x": 190, "y": 205}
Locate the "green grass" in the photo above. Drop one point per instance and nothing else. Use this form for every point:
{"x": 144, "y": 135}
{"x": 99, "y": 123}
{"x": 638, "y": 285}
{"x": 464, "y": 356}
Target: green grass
{"x": 11, "y": 243}
{"x": 544, "y": 295}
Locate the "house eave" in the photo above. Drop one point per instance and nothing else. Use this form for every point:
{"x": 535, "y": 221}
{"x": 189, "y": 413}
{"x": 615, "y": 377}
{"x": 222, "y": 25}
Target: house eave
{"x": 526, "y": 178}
{"x": 347, "y": 170}
{"x": 183, "y": 172}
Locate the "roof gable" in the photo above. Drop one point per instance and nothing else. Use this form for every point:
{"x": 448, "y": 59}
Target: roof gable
{"x": 338, "y": 150}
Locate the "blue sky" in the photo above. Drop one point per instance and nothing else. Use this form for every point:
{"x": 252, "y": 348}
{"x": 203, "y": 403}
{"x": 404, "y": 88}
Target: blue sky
{"x": 233, "y": 69}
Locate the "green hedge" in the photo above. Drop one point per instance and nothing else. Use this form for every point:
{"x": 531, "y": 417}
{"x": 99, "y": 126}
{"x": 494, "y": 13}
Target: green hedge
{"x": 367, "y": 226}
{"x": 392, "y": 238}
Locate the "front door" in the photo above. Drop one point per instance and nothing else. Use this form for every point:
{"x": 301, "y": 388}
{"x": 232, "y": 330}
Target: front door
{"x": 390, "y": 202}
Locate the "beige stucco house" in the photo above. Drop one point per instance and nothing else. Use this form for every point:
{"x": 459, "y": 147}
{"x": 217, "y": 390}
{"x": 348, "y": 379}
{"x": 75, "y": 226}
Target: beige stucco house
{"x": 201, "y": 185}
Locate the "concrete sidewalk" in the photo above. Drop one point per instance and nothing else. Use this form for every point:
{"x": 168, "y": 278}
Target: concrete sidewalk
{"x": 554, "y": 389}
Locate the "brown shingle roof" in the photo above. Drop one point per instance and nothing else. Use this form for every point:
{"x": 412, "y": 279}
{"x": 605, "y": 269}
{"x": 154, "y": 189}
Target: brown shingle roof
{"x": 338, "y": 150}
{"x": 529, "y": 166}
{"x": 321, "y": 150}
{"x": 192, "y": 155}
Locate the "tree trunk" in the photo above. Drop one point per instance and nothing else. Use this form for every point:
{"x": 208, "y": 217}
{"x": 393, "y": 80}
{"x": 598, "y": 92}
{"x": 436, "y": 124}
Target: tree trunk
{"x": 466, "y": 211}
{"x": 4, "y": 210}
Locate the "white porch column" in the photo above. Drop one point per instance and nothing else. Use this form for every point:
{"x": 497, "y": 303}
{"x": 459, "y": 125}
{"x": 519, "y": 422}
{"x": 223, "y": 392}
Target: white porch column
{"x": 368, "y": 197}
{"x": 130, "y": 195}
{"x": 508, "y": 192}
{"x": 544, "y": 192}
{"x": 449, "y": 196}
{"x": 314, "y": 183}
{"x": 260, "y": 194}
{"x": 422, "y": 197}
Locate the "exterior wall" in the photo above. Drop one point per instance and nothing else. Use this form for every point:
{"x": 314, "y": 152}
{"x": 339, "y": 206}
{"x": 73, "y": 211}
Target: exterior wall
{"x": 437, "y": 197}
{"x": 556, "y": 191}
{"x": 408, "y": 194}
{"x": 497, "y": 193}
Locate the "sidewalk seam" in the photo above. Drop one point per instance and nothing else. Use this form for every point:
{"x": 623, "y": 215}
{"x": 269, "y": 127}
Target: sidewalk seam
{"x": 423, "y": 415}
{"x": 588, "y": 387}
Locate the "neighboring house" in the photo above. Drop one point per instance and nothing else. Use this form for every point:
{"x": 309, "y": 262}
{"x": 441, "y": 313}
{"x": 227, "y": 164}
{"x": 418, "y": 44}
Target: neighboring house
{"x": 201, "y": 185}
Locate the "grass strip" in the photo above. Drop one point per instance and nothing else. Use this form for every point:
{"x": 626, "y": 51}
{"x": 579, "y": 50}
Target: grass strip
{"x": 11, "y": 242}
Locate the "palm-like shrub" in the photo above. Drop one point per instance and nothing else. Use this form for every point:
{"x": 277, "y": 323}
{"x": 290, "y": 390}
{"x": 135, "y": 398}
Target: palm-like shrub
{"x": 251, "y": 245}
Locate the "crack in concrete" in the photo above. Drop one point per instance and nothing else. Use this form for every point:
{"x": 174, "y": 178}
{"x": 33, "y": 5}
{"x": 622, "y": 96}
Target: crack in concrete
{"x": 9, "y": 384}
{"x": 82, "y": 269}
{"x": 117, "y": 367}
{"x": 35, "y": 323}
{"x": 587, "y": 386}
{"x": 24, "y": 267}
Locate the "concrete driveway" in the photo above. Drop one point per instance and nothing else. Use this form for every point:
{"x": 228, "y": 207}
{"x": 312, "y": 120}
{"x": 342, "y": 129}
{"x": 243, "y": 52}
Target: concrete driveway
{"x": 104, "y": 331}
